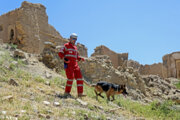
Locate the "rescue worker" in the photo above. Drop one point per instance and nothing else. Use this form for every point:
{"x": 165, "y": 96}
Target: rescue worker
{"x": 71, "y": 57}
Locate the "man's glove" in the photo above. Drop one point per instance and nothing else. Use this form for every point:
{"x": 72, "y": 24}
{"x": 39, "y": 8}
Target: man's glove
{"x": 66, "y": 60}
{"x": 82, "y": 59}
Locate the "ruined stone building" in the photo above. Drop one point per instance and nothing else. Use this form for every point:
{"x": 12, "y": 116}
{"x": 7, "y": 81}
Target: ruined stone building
{"x": 169, "y": 68}
{"x": 171, "y": 62}
{"x": 28, "y": 28}
{"x": 116, "y": 58}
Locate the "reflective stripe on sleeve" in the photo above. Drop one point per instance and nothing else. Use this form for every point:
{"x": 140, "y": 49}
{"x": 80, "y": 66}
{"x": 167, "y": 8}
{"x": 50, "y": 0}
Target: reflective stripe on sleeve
{"x": 75, "y": 56}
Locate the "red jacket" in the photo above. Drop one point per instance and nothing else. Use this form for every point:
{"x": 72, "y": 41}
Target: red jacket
{"x": 70, "y": 52}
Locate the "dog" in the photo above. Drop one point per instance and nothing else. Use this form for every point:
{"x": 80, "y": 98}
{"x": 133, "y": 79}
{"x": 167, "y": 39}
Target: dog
{"x": 109, "y": 88}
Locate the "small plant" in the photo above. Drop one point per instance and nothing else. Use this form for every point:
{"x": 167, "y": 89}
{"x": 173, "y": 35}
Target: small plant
{"x": 13, "y": 46}
{"x": 12, "y": 66}
{"x": 63, "y": 73}
{"x": 58, "y": 82}
{"x": 39, "y": 79}
{"x": 178, "y": 85}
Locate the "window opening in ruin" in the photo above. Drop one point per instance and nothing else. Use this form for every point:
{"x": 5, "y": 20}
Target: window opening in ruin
{"x": 1, "y": 28}
{"x": 11, "y": 35}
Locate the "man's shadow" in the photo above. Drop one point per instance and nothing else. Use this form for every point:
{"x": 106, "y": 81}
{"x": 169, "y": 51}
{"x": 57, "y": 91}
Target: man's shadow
{"x": 62, "y": 96}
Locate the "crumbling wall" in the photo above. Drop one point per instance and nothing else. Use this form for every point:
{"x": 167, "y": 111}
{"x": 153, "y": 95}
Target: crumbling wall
{"x": 82, "y": 50}
{"x": 134, "y": 64}
{"x": 7, "y": 25}
{"x": 170, "y": 63}
{"x": 116, "y": 58}
{"x": 154, "y": 69}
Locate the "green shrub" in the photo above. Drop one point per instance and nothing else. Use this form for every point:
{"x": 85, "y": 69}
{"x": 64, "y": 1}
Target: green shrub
{"x": 178, "y": 85}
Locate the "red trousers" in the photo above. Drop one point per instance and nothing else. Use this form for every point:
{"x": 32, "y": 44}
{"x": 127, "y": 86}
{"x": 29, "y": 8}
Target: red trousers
{"x": 73, "y": 71}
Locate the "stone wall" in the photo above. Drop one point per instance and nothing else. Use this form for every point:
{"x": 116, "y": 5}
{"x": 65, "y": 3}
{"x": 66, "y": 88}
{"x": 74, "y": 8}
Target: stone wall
{"x": 28, "y": 27}
{"x": 169, "y": 68}
{"x": 116, "y": 58}
{"x": 134, "y": 64}
{"x": 171, "y": 64}
{"x": 82, "y": 50}
{"x": 154, "y": 69}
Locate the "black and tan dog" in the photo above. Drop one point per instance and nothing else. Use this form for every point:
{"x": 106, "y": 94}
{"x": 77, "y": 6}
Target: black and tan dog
{"x": 109, "y": 88}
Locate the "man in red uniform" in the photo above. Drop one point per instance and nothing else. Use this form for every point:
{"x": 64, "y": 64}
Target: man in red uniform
{"x": 70, "y": 54}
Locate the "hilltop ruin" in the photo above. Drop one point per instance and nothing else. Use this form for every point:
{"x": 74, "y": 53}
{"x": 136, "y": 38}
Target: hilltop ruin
{"x": 28, "y": 28}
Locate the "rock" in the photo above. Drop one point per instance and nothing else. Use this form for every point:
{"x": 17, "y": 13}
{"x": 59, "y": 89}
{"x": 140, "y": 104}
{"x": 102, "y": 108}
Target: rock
{"x": 48, "y": 75}
{"x": 140, "y": 118}
{"x": 99, "y": 107}
{"x": 49, "y": 111}
{"x": 108, "y": 118}
{"x": 13, "y": 82}
{"x": 46, "y": 102}
{"x": 41, "y": 115}
{"x": 62, "y": 87}
{"x": 47, "y": 83}
{"x": 14, "y": 62}
{"x": 86, "y": 117}
{"x": 7, "y": 98}
{"x": 19, "y": 54}
{"x": 48, "y": 117}
{"x": 23, "y": 111}
{"x": 4, "y": 112}
{"x": 73, "y": 112}
{"x": 176, "y": 107}
{"x": 56, "y": 104}
{"x": 82, "y": 102}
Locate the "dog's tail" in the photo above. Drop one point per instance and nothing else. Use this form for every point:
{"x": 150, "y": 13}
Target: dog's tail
{"x": 88, "y": 84}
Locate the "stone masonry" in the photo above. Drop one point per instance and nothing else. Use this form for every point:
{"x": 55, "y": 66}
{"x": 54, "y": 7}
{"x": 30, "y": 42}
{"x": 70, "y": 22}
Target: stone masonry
{"x": 116, "y": 58}
{"x": 171, "y": 62}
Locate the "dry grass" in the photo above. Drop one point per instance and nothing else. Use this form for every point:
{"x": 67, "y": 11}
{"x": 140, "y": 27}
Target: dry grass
{"x": 27, "y": 98}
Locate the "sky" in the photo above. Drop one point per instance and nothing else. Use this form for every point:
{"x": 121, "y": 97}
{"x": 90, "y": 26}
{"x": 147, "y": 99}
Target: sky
{"x": 145, "y": 29}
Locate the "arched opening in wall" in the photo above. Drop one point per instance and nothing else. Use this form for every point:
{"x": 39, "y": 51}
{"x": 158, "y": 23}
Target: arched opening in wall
{"x": 11, "y": 36}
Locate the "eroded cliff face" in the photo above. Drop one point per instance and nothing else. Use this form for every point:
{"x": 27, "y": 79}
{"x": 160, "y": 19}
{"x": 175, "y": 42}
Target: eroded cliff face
{"x": 28, "y": 28}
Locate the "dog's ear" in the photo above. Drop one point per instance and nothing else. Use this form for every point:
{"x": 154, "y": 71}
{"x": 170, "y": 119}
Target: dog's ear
{"x": 123, "y": 86}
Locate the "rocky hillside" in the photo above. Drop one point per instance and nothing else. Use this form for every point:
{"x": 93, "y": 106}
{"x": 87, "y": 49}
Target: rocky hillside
{"x": 29, "y": 90}
{"x": 99, "y": 68}
{"x": 32, "y": 88}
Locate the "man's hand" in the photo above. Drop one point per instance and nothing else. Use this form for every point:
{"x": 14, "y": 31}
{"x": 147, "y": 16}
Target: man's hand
{"x": 66, "y": 60}
{"x": 82, "y": 59}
